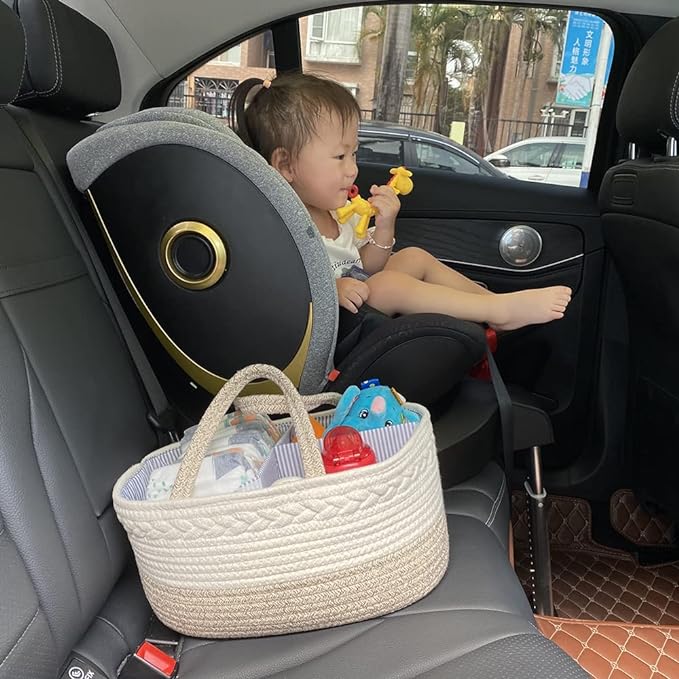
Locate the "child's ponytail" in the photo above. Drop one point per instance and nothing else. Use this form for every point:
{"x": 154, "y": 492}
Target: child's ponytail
{"x": 284, "y": 112}
{"x": 237, "y": 119}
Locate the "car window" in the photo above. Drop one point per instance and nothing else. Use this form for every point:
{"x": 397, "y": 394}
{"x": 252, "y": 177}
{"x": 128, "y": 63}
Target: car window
{"x": 531, "y": 155}
{"x": 440, "y": 158}
{"x": 209, "y": 87}
{"x": 572, "y": 156}
{"x": 432, "y": 66}
{"x": 380, "y": 150}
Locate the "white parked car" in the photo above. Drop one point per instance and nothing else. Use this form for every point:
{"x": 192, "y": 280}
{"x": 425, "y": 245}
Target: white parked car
{"x": 550, "y": 160}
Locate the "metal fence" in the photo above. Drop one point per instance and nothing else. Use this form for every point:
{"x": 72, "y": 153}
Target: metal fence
{"x": 500, "y": 131}
{"x": 216, "y": 103}
{"x": 424, "y": 121}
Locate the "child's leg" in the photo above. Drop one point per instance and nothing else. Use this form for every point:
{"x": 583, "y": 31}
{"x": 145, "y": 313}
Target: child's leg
{"x": 420, "y": 264}
{"x": 394, "y": 292}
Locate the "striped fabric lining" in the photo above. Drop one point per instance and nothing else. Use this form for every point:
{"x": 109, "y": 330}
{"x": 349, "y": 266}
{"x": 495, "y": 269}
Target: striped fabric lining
{"x": 284, "y": 461}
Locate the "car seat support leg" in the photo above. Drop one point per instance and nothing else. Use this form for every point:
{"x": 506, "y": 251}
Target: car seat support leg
{"x": 539, "y": 537}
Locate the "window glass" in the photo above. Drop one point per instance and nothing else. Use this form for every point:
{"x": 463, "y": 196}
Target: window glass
{"x": 439, "y": 158}
{"x": 378, "y": 150}
{"x": 231, "y": 56}
{"x": 487, "y": 76}
{"x": 333, "y": 36}
{"x": 531, "y": 155}
{"x": 572, "y": 156}
{"x": 210, "y": 86}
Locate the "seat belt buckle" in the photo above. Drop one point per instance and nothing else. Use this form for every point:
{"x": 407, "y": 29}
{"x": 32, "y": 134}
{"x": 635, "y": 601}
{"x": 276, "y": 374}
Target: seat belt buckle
{"x": 481, "y": 371}
{"x": 165, "y": 423}
{"x": 158, "y": 662}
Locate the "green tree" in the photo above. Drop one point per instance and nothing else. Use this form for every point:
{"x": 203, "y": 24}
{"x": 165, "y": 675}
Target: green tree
{"x": 437, "y": 32}
{"x": 490, "y": 26}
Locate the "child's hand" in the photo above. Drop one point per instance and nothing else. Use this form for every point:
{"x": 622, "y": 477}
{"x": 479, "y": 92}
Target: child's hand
{"x": 387, "y": 204}
{"x": 351, "y": 293}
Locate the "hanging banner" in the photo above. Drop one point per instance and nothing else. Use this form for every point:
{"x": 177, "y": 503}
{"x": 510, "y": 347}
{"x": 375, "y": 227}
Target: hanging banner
{"x": 578, "y": 63}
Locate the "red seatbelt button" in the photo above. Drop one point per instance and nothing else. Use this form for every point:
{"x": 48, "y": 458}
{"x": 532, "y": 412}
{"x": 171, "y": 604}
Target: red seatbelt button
{"x": 161, "y": 662}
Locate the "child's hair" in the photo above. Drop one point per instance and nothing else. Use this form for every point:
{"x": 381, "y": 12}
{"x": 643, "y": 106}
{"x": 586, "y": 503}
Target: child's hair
{"x": 285, "y": 111}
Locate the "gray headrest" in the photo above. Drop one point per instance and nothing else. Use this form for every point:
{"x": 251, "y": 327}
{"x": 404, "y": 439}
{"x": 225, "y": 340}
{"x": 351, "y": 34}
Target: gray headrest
{"x": 13, "y": 54}
{"x": 649, "y": 104}
{"x": 72, "y": 67}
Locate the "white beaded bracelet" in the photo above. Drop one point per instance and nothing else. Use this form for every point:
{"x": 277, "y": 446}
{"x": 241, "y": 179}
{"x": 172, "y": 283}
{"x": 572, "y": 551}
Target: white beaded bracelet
{"x": 372, "y": 241}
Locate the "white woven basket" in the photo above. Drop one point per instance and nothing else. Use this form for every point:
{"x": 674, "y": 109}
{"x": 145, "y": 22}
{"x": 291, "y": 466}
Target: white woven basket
{"x": 303, "y": 554}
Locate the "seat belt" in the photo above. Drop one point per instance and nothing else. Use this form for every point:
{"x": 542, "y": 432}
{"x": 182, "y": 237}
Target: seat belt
{"x": 161, "y": 415}
{"x": 505, "y": 407}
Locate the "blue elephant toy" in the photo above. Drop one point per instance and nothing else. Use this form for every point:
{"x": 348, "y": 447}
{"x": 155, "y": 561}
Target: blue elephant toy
{"x": 371, "y": 407}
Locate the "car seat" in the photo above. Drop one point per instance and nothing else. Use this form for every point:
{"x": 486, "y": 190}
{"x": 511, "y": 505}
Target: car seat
{"x": 217, "y": 250}
{"x": 641, "y": 231}
{"x": 226, "y": 268}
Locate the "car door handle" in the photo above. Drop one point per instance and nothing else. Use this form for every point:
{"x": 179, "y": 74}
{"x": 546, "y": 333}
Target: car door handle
{"x": 536, "y": 177}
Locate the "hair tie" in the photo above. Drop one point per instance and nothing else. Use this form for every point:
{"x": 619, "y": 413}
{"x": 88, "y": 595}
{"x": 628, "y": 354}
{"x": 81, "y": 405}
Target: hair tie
{"x": 266, "y": 83}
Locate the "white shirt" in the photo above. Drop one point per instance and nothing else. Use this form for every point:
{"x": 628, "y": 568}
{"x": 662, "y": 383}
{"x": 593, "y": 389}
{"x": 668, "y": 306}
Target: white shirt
{"x": 343, "y": 250}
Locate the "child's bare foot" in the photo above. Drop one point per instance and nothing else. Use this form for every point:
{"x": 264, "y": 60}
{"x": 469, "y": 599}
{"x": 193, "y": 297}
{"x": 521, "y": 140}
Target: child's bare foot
{"x": 515, "y": 309}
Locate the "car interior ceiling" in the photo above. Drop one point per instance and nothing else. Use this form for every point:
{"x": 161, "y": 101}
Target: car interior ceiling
{"x": 550, "y": 586}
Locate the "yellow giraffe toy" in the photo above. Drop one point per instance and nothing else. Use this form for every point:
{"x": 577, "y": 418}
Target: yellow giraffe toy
{"x": 400, "y": 181}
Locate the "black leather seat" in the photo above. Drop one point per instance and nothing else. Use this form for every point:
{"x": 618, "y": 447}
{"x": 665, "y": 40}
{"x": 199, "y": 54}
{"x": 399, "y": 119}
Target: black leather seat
{"x": 73, "y": 417}
{"x": 640, "y": 215}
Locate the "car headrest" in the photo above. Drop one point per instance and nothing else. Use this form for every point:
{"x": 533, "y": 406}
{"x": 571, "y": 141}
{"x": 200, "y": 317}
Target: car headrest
{"x": 13, "y": 55}
{"x": 71, "y": 65}
{"x": 649, "y": 102}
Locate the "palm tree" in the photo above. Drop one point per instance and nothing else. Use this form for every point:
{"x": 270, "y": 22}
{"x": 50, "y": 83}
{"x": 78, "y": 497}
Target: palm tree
{"x": 434, "y": 27}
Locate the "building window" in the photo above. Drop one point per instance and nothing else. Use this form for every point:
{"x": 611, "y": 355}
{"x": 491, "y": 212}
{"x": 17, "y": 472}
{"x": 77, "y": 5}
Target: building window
{"x": 333, "y": 36}
{"x": 555, "y": 67}
{"x": 212, "y": 95}
{"x": 579, "y": 123}
{"x": 411, "y": 66}
{"x": 231, "y": 56}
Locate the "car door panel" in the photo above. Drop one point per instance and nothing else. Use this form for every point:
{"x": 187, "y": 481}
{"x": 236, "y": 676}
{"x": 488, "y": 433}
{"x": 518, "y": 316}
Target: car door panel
{"x": 475, "y": 242}
{"x": 460, "y": 220}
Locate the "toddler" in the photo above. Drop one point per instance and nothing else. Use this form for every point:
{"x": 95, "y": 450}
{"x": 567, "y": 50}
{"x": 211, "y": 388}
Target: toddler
{"x": 306, "y": 127}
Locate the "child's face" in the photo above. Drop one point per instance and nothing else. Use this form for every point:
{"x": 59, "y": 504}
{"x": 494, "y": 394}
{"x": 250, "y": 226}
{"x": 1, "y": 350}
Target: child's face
{"x": 325, "y": 168}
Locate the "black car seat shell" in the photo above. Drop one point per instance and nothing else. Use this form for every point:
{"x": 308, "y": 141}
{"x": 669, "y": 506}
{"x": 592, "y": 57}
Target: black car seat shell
{"x": 73, "y": 417}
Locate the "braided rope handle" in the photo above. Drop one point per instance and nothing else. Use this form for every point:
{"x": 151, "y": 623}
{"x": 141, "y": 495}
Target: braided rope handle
{"x": 209, "y": 423}
{"x": 275, "y": 404}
